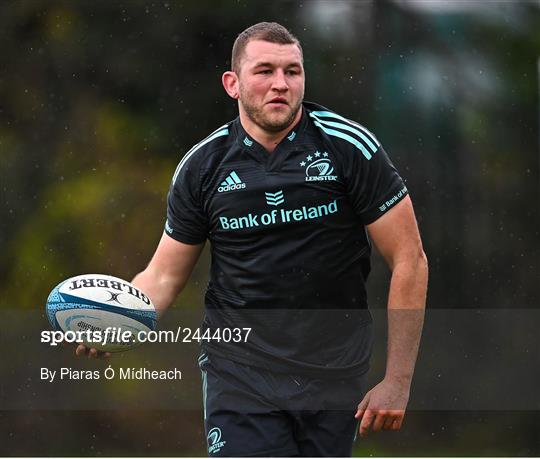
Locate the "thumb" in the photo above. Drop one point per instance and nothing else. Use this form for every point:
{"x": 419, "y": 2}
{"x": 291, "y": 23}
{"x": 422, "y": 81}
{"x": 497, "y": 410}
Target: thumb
{"x": 362, "y": 406}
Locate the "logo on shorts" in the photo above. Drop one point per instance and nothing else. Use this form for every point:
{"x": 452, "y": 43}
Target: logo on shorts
{"x": 214, "y": 440}
{"x": 319, "y": 167}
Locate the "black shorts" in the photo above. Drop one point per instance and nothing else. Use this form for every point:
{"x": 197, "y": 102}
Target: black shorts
{"x": 250, "y": 411}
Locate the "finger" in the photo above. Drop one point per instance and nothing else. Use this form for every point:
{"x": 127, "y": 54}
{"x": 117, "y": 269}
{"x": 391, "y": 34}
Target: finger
{"x": 80, "y": 350}
{"x": 94, "y": 354}
{"x": 365, "y": 424}
{"x": 362, "y": 407}
{"x": 104, "y": 355}
{"x": 379, "y": 420}
{"x": 389, "y": 422}
{"x": 396, "y": 425}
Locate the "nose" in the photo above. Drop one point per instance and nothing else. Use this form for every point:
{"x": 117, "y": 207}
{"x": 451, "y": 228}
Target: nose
{"x": 279, "y": 83}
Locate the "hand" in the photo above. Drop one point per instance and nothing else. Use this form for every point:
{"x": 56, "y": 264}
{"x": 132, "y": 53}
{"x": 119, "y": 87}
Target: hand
{"x": 383, "y": 407}
{"x": 82, "y": 350}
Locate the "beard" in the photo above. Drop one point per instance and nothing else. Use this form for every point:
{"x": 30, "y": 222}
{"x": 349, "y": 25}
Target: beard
{"x": 269, "y": 120}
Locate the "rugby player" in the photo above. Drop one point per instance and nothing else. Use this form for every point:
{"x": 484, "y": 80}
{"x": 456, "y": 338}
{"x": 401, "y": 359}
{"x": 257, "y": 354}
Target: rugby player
{"x": 291, "y": 195}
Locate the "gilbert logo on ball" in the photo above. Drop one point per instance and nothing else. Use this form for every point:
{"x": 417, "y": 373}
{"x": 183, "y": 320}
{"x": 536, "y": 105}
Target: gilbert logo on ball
{"x": 100, "y": 304}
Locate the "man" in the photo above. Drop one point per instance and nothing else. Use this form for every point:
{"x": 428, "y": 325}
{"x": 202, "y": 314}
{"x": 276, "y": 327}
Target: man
{"x": 287, "y": 194}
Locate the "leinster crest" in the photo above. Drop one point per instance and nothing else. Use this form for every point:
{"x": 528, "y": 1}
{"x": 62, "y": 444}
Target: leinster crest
{"x": 318, "y": 167}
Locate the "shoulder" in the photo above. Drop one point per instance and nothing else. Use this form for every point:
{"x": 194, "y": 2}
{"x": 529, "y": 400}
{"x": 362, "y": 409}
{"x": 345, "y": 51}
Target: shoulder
{"x": 342, "y": 131}
{"x": 196, "y": 155}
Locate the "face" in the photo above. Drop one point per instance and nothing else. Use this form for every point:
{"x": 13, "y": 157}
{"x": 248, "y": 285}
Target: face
{"x": 271, "y": 84}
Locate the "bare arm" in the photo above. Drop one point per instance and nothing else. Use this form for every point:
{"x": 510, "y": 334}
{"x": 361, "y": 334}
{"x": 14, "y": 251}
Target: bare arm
{"x": 162, "y": 280}
{"x": 397, "y": 238}
{"x": 168, "y": 271}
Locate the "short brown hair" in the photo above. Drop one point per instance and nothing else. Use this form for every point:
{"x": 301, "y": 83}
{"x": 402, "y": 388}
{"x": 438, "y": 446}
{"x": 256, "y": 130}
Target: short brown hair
{"x": 266, "y": 31}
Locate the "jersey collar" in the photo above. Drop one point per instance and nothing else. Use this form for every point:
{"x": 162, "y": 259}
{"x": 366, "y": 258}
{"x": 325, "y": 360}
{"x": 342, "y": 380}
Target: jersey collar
{"x": 249, "y": 144}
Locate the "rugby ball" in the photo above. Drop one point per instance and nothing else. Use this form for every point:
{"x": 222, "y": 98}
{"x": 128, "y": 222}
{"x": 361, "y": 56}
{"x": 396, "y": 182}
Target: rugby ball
{"x": 104, "y": 308}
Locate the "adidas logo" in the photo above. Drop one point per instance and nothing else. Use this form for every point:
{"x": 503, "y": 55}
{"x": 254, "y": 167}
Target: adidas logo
{"x": 231, "y": 183}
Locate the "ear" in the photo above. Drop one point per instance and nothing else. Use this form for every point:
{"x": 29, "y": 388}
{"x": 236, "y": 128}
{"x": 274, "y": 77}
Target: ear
{"x": 230, "y": 83}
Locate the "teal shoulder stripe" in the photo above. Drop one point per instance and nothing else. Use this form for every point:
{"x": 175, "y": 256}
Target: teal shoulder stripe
{"x": 218, "y": 133}
{"x": 347, "y": 128}
{"x": 346, "y": 137}
{"x": 358, "y": 126}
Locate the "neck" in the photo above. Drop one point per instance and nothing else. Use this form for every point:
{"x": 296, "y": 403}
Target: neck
{"x": 269, "y": 140}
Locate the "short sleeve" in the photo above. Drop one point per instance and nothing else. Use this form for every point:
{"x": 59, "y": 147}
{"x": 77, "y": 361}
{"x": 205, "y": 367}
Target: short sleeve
{"x": 374, "y": 185}
{"x": 186, "y": 220}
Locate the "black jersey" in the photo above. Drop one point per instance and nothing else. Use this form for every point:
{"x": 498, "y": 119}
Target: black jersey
{"x": 290, "y": 252}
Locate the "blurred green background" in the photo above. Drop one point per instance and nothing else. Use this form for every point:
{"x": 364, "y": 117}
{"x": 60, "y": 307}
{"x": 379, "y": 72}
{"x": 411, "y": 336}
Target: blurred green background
{"x": 99, "y": 100}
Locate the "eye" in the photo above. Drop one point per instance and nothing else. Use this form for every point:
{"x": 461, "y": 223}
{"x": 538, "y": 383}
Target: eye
{"x": 264, "y": 72}
{"x": 293, "y": 72}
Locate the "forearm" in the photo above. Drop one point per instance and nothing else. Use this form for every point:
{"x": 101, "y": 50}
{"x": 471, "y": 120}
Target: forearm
{"x": 406, "y": 306}
{"x": 162, "y": 290}
{"x": 168, "y": 271}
